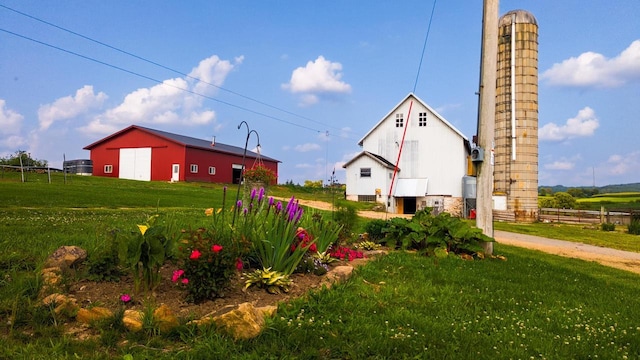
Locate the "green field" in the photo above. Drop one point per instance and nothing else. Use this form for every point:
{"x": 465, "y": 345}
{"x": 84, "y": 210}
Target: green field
{"x": 402, "y": 306}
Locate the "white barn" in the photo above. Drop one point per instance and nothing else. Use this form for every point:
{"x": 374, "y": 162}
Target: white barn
{"x": 431, "y": 156}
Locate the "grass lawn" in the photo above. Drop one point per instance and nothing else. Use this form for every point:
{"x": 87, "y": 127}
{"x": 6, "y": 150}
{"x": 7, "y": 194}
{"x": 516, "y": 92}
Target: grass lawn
{"x": 401, "y": 306}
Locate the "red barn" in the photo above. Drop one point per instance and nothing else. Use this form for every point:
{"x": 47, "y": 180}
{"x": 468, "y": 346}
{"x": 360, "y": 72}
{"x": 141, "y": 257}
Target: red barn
{"x": 140, "y": 153}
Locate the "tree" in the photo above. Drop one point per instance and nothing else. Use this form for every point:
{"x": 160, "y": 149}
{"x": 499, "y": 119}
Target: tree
{"x": 544, "y": 191}
{"x": 27, "y": 160}
{"x": 313, "y": 184}
{"x": 564, "y": 200}
{"x": 576, "y": 192}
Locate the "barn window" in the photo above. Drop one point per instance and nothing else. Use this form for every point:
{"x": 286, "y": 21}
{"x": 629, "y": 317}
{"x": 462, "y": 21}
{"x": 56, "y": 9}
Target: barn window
{"x": 422, "y": 119}
{"x": 212, "y": 170}
{"x": 365, "y": 172}
{"x": 399, "y": 120}
{"x": 366, "y": 198}
{"x": 194, "y": 168}
{"x": 108, "y": 169}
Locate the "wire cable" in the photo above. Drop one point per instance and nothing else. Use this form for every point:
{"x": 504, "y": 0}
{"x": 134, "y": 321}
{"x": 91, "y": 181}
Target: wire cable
{"x": 164, "y": 66}
{"x": 424, "y": 46}
{"x": 158, "y": 81}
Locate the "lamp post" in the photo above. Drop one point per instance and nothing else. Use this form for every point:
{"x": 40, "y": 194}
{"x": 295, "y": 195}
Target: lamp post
{"x": 244, "y": 156}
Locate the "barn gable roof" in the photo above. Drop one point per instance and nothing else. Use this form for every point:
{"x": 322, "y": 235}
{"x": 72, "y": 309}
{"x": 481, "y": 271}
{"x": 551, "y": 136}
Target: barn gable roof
{"x": 395, "y": 108}
{"x": 186, "y": 141}
{"x": 379, "y": 159}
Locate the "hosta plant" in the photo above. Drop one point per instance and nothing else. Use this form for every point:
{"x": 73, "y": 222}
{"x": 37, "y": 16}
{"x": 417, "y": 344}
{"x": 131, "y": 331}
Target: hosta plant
{"x": 273, "y": 281}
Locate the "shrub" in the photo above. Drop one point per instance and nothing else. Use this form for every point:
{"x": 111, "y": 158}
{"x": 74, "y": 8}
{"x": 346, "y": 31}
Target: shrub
{"x": 434, "y": 234}
{"x": 207, "y": 265}
{"x": 346, "y": 215}
{"x": 634, "y": 227}
{"x": 375, "y": 229}
{"x": 608, "y": 227}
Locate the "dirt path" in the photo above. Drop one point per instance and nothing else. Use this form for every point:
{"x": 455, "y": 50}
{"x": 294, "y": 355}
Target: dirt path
{"x": 624, "y": 260}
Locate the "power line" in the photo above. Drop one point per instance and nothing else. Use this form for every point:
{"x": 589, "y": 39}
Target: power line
{"x": 161, "y": 66}
{"x": 424, "y": 46}
{"x": 156, "y": 80}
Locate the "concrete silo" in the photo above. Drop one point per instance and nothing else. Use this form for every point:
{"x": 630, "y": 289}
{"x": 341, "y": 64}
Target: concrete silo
{"x": 515, "y": 187}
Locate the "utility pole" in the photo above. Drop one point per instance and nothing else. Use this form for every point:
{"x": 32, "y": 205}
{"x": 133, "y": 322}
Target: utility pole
{"x": 486, "y": 119}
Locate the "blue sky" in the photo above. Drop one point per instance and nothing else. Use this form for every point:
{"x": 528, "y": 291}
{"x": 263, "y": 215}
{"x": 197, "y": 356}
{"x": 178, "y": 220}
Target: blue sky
{"x": 310, "y": 77}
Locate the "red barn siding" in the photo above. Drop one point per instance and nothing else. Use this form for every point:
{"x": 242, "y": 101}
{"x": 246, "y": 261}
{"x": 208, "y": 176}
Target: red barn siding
{"x": 165, "y": 153}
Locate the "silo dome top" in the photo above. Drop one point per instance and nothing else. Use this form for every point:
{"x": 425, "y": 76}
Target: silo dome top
{"x": 521, "y": 17}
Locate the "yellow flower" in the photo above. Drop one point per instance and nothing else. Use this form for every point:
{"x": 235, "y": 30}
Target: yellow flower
{"x": 143, "y": 228}
{"x": 219, "y": 210}
{"x": 208, "y": 212}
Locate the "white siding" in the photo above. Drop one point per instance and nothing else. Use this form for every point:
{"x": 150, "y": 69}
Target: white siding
{"x": 435, "y": 151}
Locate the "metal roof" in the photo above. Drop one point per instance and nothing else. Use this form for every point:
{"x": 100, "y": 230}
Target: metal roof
{"x": 188, "y": 142}
{"x": 520, "y": 17}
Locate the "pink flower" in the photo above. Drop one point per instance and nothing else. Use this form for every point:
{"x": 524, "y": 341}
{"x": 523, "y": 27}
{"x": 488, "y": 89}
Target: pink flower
{"x": 185, "y": 281}
{"x": 216, "y": 248}
{"x": 176, "y": 275}
{"x": 195, "y": 254}
{"x": 125, "y": 298}
{"x": 239, "y": 264}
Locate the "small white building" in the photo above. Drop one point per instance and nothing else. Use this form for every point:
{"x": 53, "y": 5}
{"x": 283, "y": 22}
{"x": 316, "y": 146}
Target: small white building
{"x": 431, "y": 157}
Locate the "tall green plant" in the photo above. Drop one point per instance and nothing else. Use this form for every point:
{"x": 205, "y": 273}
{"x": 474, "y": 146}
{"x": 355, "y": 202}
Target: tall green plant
{"x": 144, "y": 252}
{"x": 325, "y": 232}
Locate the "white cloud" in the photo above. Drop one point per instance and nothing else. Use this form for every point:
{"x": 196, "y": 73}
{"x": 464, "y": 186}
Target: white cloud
{"x": 69, "y": 107}
{"x": 319, "y": 77}
{"x": 592, "y": 69}
{"x": 212, "y": 71}
{"x": 584, "y": 124}
{"x": 623, "y": 164}
{"x": 307, "y": 147}
{"x": 10, "y": 121}
{"x": 175, "y": 101}
{"x": 12, "y": 142}
{"x": 560, "y": 165}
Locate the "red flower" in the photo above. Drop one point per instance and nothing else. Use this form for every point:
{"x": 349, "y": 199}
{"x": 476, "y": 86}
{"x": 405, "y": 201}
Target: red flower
{"x": 195, "y": 254}
{"x": 185, "y": 281}
{"x": 239, "y": 264}
{"x": 216, "y": 248}
{"x": 313, "y": 247}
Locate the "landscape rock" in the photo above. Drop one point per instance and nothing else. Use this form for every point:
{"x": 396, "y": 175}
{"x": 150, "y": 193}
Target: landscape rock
{"x": 51, "y": 281}
{"x": 63, "y": 304}
{"x": 87, "y": 316}
{"x": 132, "y": 320}
{"x": 244, "y": 322}
{"x": 338, "y": 274}
{"x": 66, "y": 257}
{"x": 165, "y": 318}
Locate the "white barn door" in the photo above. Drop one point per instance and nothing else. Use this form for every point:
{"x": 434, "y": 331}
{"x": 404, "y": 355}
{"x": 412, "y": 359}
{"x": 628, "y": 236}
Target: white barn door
{"x": 135, "y": 164}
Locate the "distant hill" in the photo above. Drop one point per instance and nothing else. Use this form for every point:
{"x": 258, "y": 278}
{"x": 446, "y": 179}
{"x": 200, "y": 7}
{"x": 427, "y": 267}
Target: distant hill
{"x": 634, "y": 187}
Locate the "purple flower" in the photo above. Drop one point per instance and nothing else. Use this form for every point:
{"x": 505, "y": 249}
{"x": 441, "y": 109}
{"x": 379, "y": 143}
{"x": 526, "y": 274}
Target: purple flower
{"x": 271, "y": 201}
{"x": 239, "y": 204}
{"x": 299, "y": 214}
{"x": 245, "y": 211}
{"x": 279, "y": 207}
{"x": 260, "y": 194}
{"x": 253, "y": 193}
{"x": 125, "y": 298}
